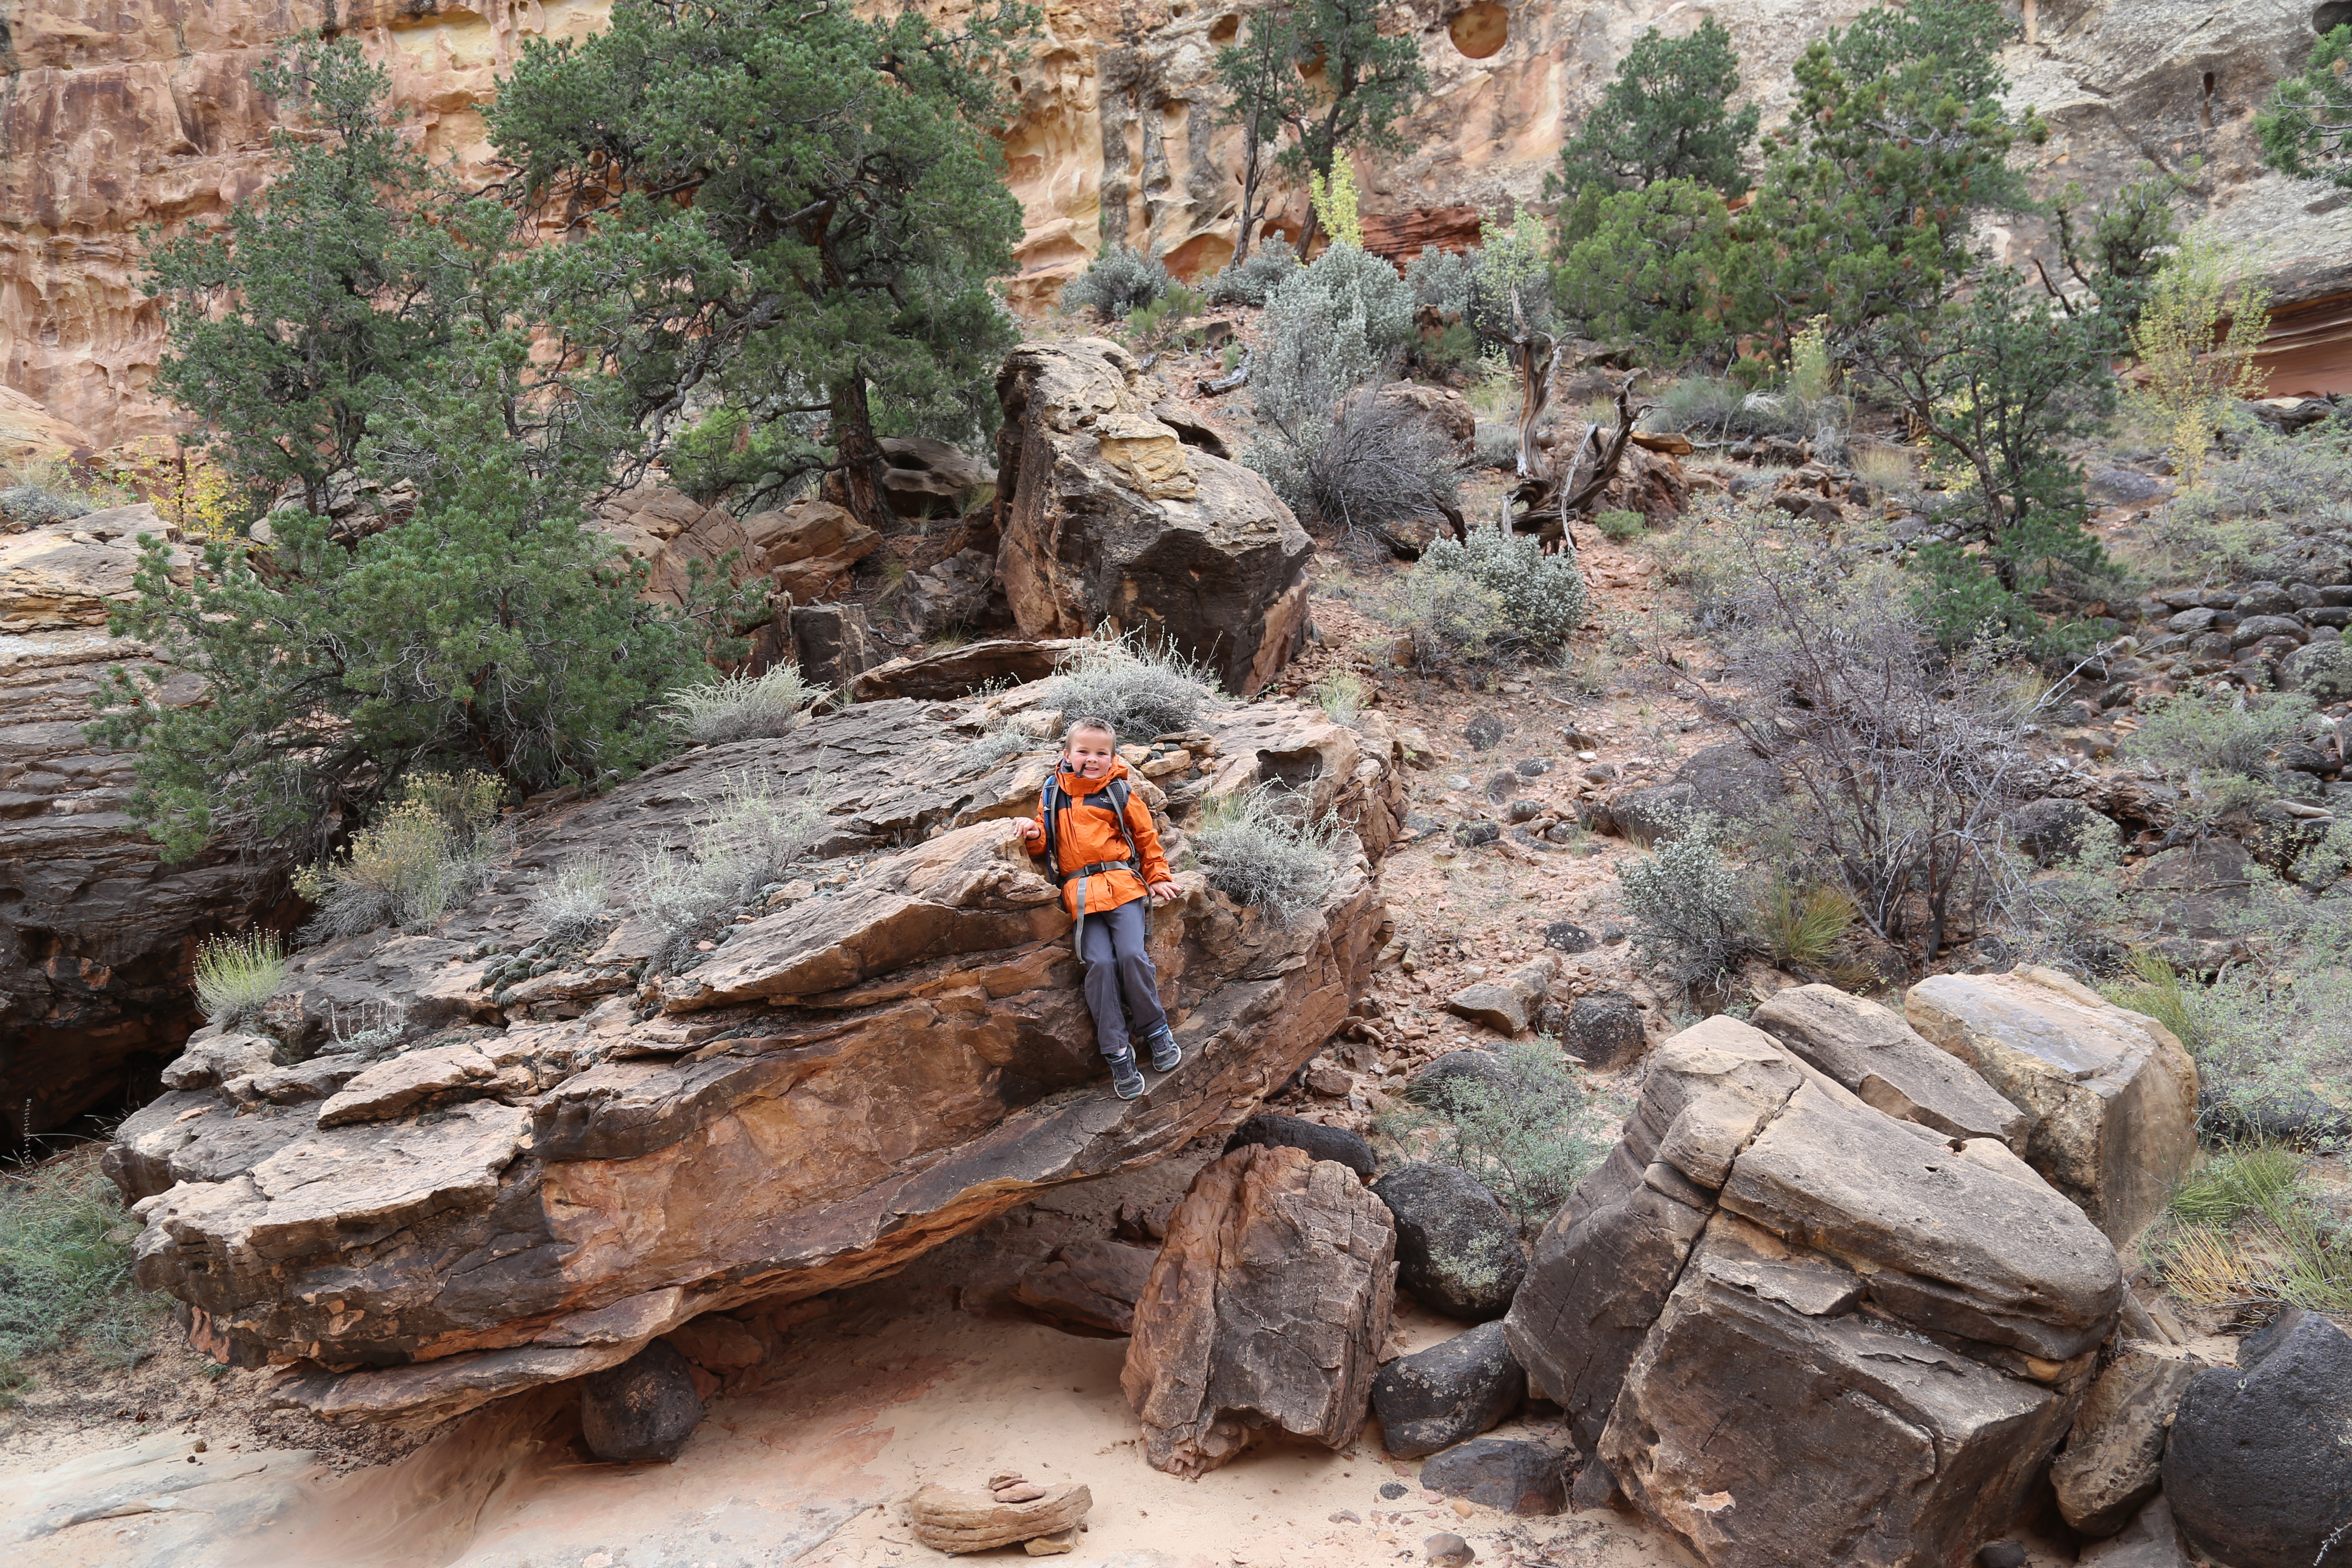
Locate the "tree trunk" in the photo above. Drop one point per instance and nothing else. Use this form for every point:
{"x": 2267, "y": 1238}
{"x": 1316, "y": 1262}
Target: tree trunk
{"x": 859, "y": 454}
{"x": 1249, "y": 193}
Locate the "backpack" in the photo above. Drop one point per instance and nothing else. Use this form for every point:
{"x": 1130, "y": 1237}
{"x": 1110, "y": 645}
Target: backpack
{"x": 1058, "y": 800}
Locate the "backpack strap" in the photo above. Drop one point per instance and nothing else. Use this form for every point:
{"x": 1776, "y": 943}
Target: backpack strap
{"x": 1055, "y": 800}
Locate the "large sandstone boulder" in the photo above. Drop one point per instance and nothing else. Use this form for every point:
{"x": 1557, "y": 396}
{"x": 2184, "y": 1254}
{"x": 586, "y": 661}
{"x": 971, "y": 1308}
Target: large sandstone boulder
{"x": 97, "y": 933}
{"x": 1265, "y": 1309}
{"x": 1798, "y": 1330}
{"x": 676, "y": 536}
{"x": 1108, "y": 517}
{"x": 563, "y": 1156}
{"x": 2111, "y": 1095}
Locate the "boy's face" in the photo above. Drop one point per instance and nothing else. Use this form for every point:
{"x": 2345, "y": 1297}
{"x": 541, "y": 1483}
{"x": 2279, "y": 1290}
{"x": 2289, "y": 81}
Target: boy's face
{"x": 1089, "y": 753}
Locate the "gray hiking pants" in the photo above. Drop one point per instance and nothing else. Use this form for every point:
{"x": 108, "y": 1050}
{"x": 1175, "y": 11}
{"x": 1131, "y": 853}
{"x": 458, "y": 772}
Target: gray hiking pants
{"x": 1117, "y": 964}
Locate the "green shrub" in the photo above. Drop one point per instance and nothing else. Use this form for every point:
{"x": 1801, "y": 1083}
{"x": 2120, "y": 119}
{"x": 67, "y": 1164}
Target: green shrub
{"x": 64, "y": 1269}
{"x": 2250, "y": 1229}
{"x": 236, "y": 977}
{"x": 1253, "y": 280}
{"x": 1256, "y": 849}
{"x": 1335, "y": 324}
{"x": 1622, "y": 526}
{"x": 1800, "y": 926}
{"x": 2215, "y": 747}
{"x": 1540, "y": 599}
{"x": 1139, "y": 687}
{"x": 1665, "y": 116}
{"x": 1341, "y": 695}
{"x": 1656, "y": 266}
{"x": 743, "y": 707}
{"x": 1117, "y": 283}
{"x": 1441, "y": 279}
{"x": 1450, "y": 617}
{"x": 1690, "y": 917}
{"x": 430, "y": 850}
{"x": 2305, "y": 128}
{"x": 1163, "y": 320}
{"x": 1528, "y": 1137}
{"x": 1372, "y": 465}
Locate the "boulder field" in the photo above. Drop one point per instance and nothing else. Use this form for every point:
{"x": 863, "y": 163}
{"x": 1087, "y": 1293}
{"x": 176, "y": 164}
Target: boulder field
{"x": 442, "y": 1174}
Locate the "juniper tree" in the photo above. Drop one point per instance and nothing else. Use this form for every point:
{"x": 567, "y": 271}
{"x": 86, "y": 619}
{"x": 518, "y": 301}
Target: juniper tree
{"x": 815, "y": 207}
{"x": 1667, "y": 115}
{"x": 2305, "y": 128}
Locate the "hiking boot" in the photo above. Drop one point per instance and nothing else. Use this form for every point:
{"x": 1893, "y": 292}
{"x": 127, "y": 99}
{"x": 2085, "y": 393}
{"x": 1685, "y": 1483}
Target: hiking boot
{"x": 1167, "y": 1056}
{"x": 1126, "y": 1078}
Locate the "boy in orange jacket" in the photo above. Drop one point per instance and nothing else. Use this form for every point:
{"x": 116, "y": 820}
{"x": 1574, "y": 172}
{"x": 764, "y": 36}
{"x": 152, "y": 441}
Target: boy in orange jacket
{"x": 1105, "y": 854}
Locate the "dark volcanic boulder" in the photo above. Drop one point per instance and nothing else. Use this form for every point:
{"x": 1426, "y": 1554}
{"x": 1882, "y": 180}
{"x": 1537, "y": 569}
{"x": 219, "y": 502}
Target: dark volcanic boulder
{"x": 2258, "y": 1469}
{"x": 1457, "y": 1251}
{"x": 1439, "y": 1084}
{"x": 645, "y": 1408}
{"x": 1604, "y": 1030}
{"x": 1501, "y": 1473}
{"x": 1324, "y": 1142}
{"x": 1448, "y": 1393}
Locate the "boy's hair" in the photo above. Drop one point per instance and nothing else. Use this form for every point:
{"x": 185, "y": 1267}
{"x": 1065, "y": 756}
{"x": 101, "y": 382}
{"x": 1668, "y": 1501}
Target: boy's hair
{"x": 1105, "y": 725}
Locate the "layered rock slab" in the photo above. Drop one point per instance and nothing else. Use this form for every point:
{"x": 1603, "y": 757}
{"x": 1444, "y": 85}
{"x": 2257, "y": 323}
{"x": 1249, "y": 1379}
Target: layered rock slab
{"x": 864, "y": 1072}
{"x": 2110, "y": 1096}
{"x": 1107, "y": 516}
{"x": 1265, "y": 1309}
{"x": 1768, "y": 1276}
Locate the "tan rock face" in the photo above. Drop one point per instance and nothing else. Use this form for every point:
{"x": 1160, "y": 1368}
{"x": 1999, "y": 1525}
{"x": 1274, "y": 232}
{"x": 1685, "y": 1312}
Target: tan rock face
{"x": 541, "y": 1177}
{"x": 1108, "y": 517}
{"x": 1798, "y": 1330}
{"x": 121, "y": 115}
{"x": 2111, "y": 1095}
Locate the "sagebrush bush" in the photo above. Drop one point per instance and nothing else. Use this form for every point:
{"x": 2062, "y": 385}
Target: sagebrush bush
{"x": 1689, "y": 910}
{"x": 1341, "y": 695}
{"x": 34, "y": 505}
{"x": 1254, "y": 279}
{"x": 1620, "y": 525}
{"x": 999, "y": 744}
{"x": 1257, "y": 850}
{"x": 569, "y": 904}
{"x": 1372, "y": 467}
{"x": 1334, "y": 325}
{"x": 1541, "y": 597}
{"x": 1115, "y": 282}
{"x": 1449, "y": 616}
{"x": 751, "y": 831}
{"x": 1441, "y": 279}
{"x": 743, "y": 707}
{"x": 430, "y": 850}
{"x": 2216, "y": 747}
{"x": 236, "y": 977}
{"x": 1496, "y": 445}
{"x": 1141, "y": 688}
{"x": 1528, "y": 1133}
{"x": 66, "y": 1258}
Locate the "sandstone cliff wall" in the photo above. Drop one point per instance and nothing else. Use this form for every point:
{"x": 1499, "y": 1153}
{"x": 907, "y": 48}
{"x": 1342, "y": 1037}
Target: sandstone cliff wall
{"x": 124, "y": 113}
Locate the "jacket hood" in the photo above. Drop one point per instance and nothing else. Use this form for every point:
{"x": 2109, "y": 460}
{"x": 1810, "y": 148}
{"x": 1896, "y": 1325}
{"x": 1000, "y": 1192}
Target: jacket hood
{"x": 1078, "y": 784}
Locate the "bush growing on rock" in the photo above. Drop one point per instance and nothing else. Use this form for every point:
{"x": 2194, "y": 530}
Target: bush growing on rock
{"x": 1117, "y": 283}
{"x": 1141, "y": 688}
{"x": 236, "y": 977}
{"x": 430, "y": 849}
{"x": 1256, "y": 849}
{"x": 571, "y": 903}
{"x": 744, "y": 707}
{"x": 2305, "y": 128}
{"x": 751, "y": 835}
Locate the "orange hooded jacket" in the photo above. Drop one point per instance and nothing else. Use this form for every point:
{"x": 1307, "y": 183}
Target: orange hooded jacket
{"x": 1087, "y": 832}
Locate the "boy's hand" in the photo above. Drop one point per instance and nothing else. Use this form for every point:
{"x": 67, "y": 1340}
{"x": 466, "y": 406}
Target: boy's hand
{"x": 1164, "y": 891}
{"x": 1032, "y": 834}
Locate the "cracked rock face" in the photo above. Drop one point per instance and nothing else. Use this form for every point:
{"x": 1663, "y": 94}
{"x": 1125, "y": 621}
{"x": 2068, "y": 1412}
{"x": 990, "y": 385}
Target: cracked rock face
{"x": 556, "y": 1163}
{"x": 1797, "y": 1329}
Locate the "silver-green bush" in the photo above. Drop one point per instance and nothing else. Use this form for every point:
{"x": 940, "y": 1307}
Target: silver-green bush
{"x": 571, "y": 904}
{"x": 1689, "y": 911}
{"x": 1527, "y": 1132}
{"x": 1117, "y": 282}
{"x": 753, "y": 833}
{"x": 1441, "y": 279}
{"x": 1542, "y": 598}
{"x": 744, "y": 707}
{"x": 1253, "y": 281}
{"x": 1141, "y": 688}
{"x": 1256, "y": 849}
